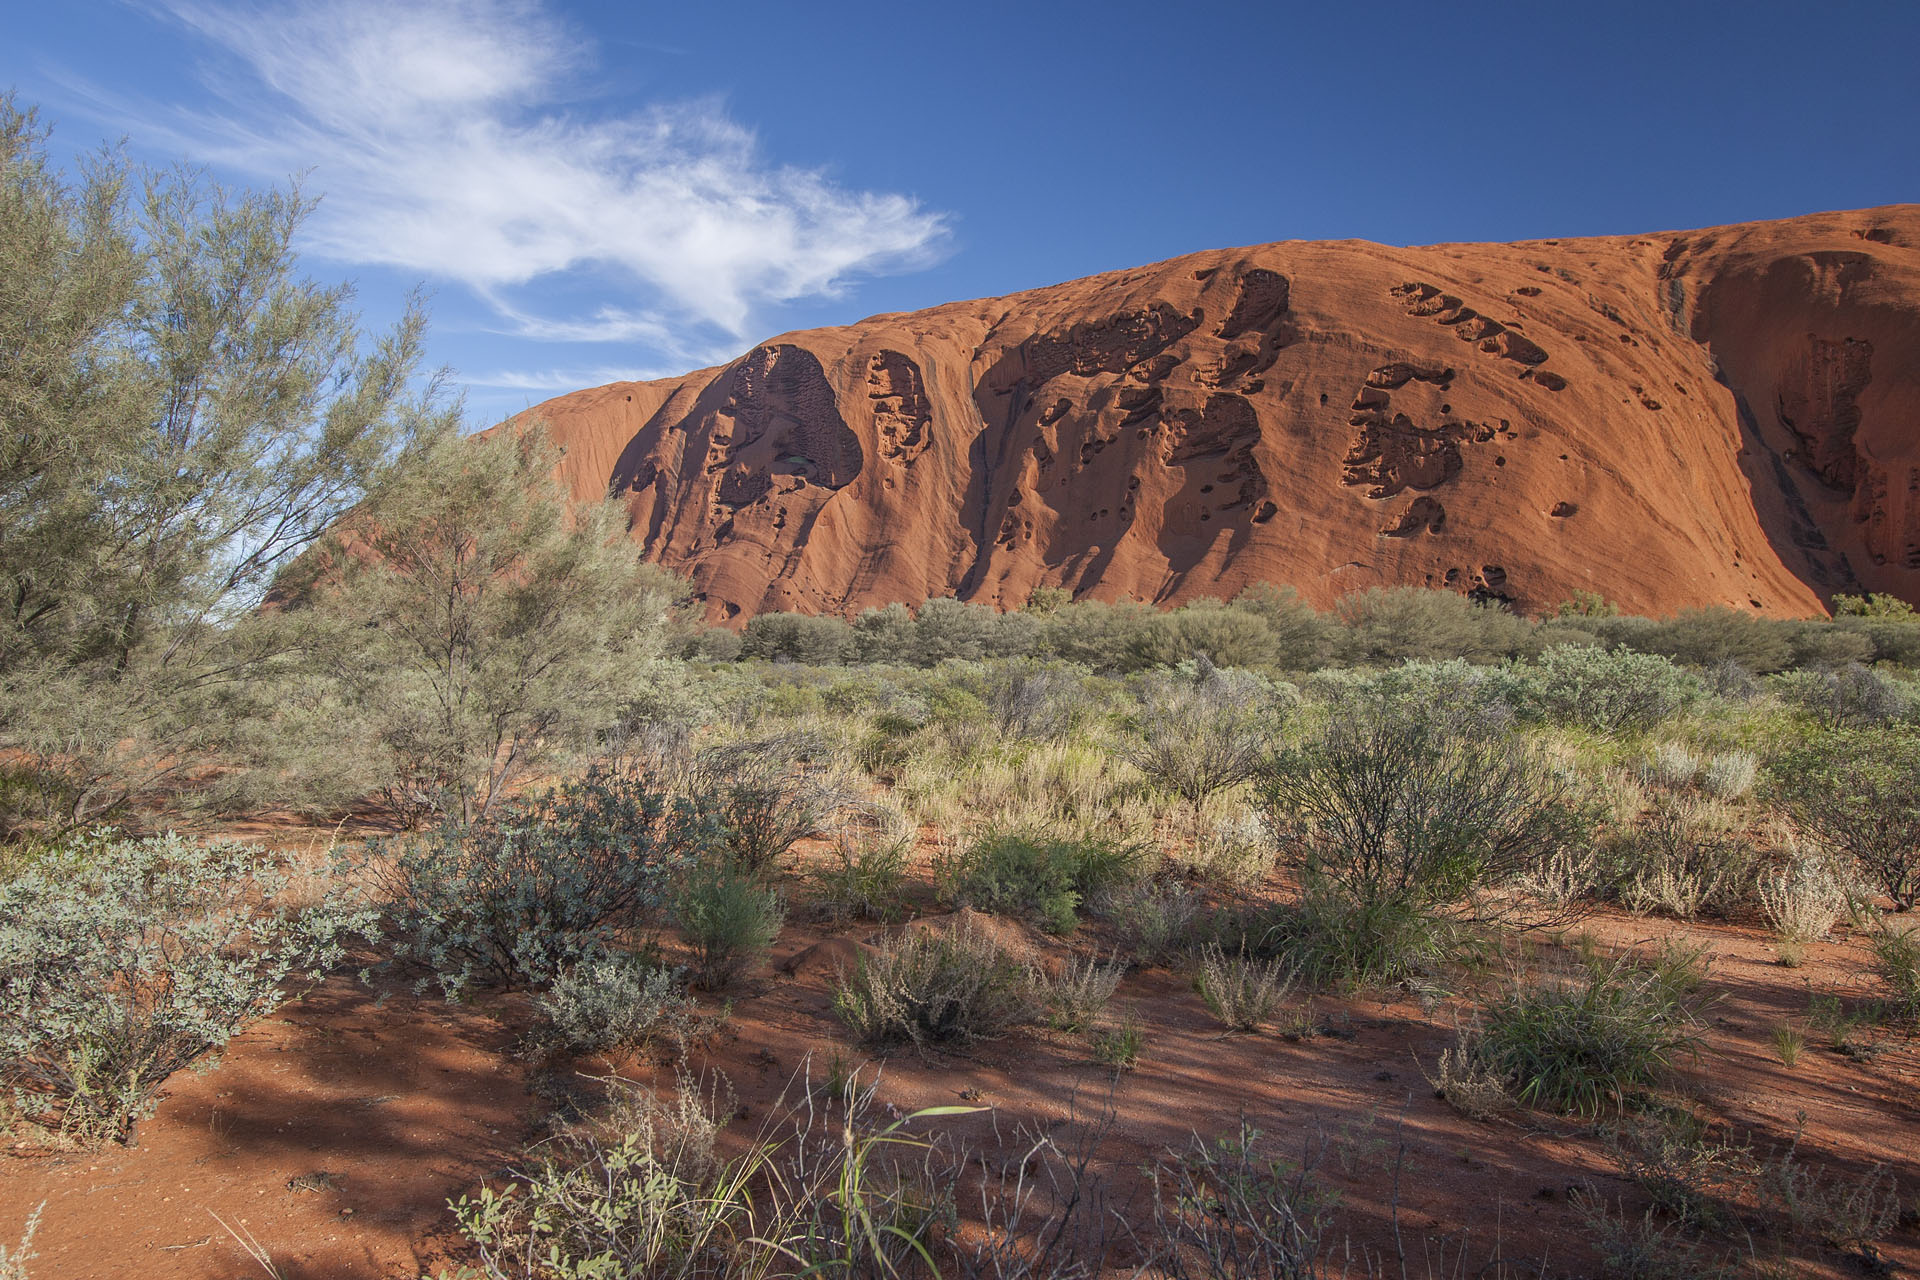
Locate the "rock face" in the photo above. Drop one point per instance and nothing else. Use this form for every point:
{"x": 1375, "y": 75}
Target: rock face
{"x": 1719, "y": 417}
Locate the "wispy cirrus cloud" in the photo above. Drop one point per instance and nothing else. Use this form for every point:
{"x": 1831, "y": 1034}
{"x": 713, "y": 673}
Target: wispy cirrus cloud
{"x": 443, "y": 145}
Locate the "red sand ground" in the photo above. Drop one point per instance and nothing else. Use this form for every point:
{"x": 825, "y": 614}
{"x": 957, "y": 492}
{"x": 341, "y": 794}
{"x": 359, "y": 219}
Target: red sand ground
{"x": 405, "y": 1101}
{"x": 1717, "y": 417}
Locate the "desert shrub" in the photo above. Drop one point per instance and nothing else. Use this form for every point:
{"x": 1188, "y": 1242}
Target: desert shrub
{"x": 621, "y": 1002}
{"x": 1039, "y": 873}
{"x": 1240, "y": 990}
{"x": 1395, "y": 810}
{"x": 1849, "y": 696}
{"x": 13, "y": 1262}
{"x": 1077, "y": 995}
{"x": 1031, "y": 701}
{"x": 1592, "y": 1039}
{"x": 1703, "y": 637}
{"x": 547, "y": 883}
{"x": 1391, "y": 624}
{"x": 1204, "y": 629}
{"x": 1857, "y": 791}
{"x": 728, "y": 916}
{"x": 798, "y": 637}
{"x": 1302, "y": 639}
{"x": 122, "y": 961}
{"x": 1677, "y": 861}
{"x": 925, "y": 988}
{"x": 1331, "y": 935}
{"x": 1202, "y": 730}
{"x": 1670, "y": 765}
{"x": 1454, "y": 690}
{"x": 643, "y": 1196}
{"x": 1614, "y": 692}
{"x": 1464, "y": 1081}
{"x": 1234, "y": 850}
{"x": 863, "y": 877}
{"x": 1802, "y": 900}
{"x": 1233, "y": 1208}
{"x": 1730, "y": 775}
{"x": 1653, "y": 1248}
{"x": 1151, "y": 918}
{"x": 1896, "y": 962}
{"x": 1845, "y": 1212}
{"x": 1686, "y": 1171}
{"x": 764, "y": 796}
{"x": 1820, "y": 644}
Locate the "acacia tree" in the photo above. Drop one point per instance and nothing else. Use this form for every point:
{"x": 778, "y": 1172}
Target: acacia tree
{"x": 483, "y": 621}
{"x": 181, "y": 414}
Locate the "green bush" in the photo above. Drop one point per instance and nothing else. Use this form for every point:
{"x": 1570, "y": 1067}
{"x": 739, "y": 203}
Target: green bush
{"x": 1846, "y": 697}
{"x": 1391, "y": 624}
{"x": 1896, "y": 962}
{"x": 1388, "y": 808}
{"x": 863, "y": 878}
{"x": 764, "y": 796}
{"x": 550, "y": 882}
{"x": 122, "y": 961}
{"x": 1857, "y": 791}
{"x": 925, "y": 988}
{"x": 1039, "y": 873}
{"x": 798, "y": 637}
{"x": 1611, "y": 692}
{"x": 620, "y": 1002}
{"x": 1591, "y": 1040}
{"x": 728, "y": 916}
{"x": 1203, "y": 730}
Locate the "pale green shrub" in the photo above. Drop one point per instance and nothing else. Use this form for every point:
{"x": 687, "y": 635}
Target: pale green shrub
{"x": 551, "y": 882}
{"x": 621, "y": 1002}
{"x": 1075, "y": 997}
{"x": 729, "y": 918}
{"x": 1612, "y": 692}
{"x": 122, "y": 961}
{"x": 1240, "y": 990}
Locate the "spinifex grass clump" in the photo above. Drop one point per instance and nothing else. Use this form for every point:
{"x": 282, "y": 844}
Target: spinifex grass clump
{"x": 122, "y": 961}
{"x": 926, "y": 989}
{"x": 1593, "y": 1039}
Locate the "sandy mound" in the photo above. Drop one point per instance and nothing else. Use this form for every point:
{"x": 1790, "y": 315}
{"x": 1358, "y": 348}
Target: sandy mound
{"x": 1719, "y": 417}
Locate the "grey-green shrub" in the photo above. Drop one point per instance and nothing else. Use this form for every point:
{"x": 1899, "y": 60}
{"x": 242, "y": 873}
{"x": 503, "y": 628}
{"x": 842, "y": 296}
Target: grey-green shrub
{"x": 552, "y": 881}
{"x": 122, "y": 961}
{"x": 619, "y": 1001}
{"x": 729, "y": 917}
{"x": 1857, "y": 791}
{"x": 1609, "y": 691}
{"x": 764, "y": 796}
{"x": 1391, "y": 807}
{"x": 1040, "y": 873}
{"x": 1850, "y": 696}
{"x": 1201, "y": 730}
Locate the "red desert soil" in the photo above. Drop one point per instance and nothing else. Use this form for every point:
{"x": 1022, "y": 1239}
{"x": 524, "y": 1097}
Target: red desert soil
{"x": 1728, "y": 416}
{"x": 404, "y": 1101}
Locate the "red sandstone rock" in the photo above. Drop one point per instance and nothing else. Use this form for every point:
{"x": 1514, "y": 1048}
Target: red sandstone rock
{"x": 1718, "y": 417}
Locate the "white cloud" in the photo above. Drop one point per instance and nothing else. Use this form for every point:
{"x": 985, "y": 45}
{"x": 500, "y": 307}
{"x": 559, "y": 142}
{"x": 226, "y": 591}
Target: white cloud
{"x": 560, "y": 380}
{"x": 440, "y": 137}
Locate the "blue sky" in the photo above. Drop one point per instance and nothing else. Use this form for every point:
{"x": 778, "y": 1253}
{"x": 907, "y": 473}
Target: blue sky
{"x": 597, "y": 191}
